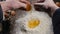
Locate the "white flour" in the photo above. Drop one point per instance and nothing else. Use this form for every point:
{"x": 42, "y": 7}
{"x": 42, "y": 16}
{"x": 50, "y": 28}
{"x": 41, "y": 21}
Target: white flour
{"x": 22, "y": 18}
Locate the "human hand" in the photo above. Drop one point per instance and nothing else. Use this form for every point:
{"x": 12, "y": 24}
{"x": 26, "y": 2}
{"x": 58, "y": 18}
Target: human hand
{"x": 8, "y": 4}
{"x": 48, "y": 3}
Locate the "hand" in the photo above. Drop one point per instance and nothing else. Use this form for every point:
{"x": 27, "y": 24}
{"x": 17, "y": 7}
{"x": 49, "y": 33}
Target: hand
{"x": 8, "y": 4}
{"x": 48, "y": 3}
{"x": 18, "y": 3}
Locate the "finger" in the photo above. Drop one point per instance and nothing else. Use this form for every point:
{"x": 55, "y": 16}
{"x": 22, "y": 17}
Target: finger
{"x": 25, "y": 1}
{"x": 26, "y": 6}
{"x": 38, "y": 3}
{"x": 19, "y": 4}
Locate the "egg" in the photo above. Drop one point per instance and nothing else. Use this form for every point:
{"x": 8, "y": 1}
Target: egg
{"x": 13, "y": 13}
{"x": 28, "y": 7}
{"x": 58, "y": 4}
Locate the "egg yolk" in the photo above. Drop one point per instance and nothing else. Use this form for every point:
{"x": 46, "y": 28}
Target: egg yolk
{"x": 33, "y": 23}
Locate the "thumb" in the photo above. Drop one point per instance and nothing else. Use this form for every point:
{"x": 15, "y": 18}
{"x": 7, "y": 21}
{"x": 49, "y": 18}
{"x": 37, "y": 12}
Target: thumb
{"x": 43, "y": 4}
